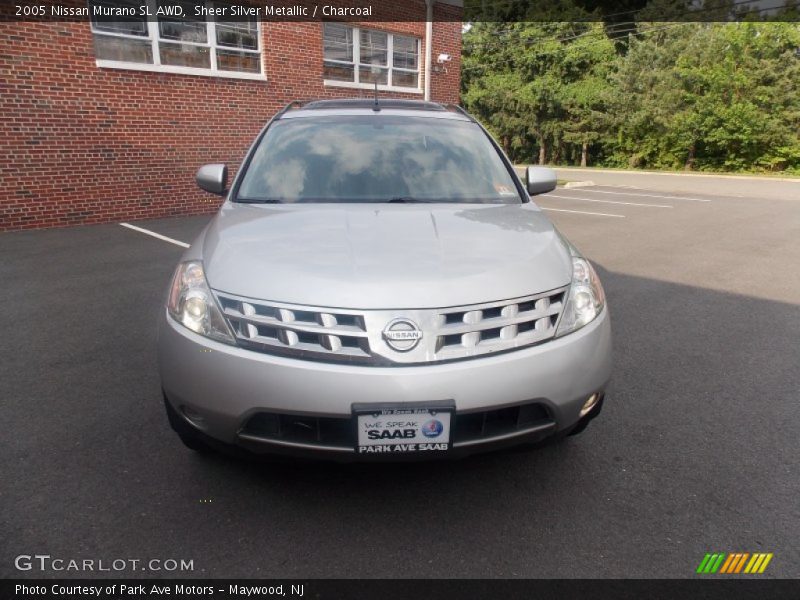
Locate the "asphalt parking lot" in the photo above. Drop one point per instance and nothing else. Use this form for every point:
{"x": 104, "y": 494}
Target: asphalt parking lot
{"x": 697, "y": 449}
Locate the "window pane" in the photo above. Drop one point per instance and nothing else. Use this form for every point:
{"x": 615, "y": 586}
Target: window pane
{"x": 405, "y": 52}
{"x": 405, "y": 78}
{"x": 231, "y": 60}
{"x": 180, "y": 29}
{"x": 242, "y": 33}
{"x": 338, "y": 71}
{"x": 184, "y": 55}
{"x": 125, "y": 49}
{"x": 133, "y": 25}
{"x": 366, "y": 75}
{"x": 238, "y": 35}
{"x": 374, "y": 48}
{"x": 338, "y": 42}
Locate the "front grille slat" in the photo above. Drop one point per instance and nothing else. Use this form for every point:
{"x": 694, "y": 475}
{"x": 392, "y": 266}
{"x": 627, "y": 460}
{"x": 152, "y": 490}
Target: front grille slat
{"x": 301, "y": 349}
{"x": 498, "y": 322}
{"x": 356, "y": 336}
{"x": 304, "y": 326}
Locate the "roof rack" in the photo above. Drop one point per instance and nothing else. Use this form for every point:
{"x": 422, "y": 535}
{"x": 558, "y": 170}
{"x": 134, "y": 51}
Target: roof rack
{"x": 457, "y": 108}
{"x": 370, "y": 103}
{"x": 292, "y": 105}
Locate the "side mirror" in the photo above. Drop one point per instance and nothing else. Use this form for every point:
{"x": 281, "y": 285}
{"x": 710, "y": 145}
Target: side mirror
{"x": 540, "y": 180}
{"x": 213, "y": 178}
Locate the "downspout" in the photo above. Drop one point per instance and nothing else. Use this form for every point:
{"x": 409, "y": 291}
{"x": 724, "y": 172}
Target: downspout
{"x": 428, "y": 51}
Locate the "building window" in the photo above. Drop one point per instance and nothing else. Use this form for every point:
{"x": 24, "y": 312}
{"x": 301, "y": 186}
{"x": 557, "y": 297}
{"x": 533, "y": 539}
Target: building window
{"x": 210, "y": 47}
{"x": 363, "y": 56}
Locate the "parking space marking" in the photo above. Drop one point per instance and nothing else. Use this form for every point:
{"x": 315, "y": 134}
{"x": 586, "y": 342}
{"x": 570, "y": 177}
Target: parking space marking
{"x": 586, "y": 189}
{"x": 582, "y": 212}
{"x": 608, "y": 201}
{"x": 156, "y": 235}
{"x": 627, "y": 187}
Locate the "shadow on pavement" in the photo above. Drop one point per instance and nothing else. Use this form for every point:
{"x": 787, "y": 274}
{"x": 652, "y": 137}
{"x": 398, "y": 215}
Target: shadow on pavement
{"x": 696, "y": 448}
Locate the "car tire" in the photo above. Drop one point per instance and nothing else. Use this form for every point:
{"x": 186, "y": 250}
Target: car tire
{"x": 555, "y": 439}
{"x": 584, "y": 422}
{"x": 194, "y": 444}
{"x": 190, "y": 438}
{"x": 579, "y": 427}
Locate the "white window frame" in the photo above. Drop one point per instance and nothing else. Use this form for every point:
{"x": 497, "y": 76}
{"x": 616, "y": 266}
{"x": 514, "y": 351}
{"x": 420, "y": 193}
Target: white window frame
{"x": 211, "y": 44}
{"x": 357, "y": 65}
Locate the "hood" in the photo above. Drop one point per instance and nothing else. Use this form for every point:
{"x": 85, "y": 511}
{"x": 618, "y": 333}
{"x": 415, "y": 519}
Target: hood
{"x": 370, "y": 256}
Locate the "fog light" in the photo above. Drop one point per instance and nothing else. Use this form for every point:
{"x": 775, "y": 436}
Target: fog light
{"x": 589, "y": 404}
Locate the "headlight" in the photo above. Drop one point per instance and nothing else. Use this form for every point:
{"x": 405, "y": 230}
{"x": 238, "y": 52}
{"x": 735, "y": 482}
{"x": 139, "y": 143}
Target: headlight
{"x": 586, "y": 298}
{"x": 192, "y": 305}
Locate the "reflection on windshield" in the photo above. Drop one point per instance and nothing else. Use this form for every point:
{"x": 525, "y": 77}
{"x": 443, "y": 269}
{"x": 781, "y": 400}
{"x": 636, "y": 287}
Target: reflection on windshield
{"x": 376, "y": 158}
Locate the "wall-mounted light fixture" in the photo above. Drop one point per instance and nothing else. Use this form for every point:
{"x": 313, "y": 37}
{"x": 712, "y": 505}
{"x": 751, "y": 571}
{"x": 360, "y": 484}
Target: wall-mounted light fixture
{"x": 442, "y": 60}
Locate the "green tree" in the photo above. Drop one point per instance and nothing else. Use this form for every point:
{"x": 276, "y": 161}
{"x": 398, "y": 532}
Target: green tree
{"x": 537, "y": 85}
{"x": 709, "y": 96}
{"x": 685, "y": 95}
{"x": 585, "y": 98}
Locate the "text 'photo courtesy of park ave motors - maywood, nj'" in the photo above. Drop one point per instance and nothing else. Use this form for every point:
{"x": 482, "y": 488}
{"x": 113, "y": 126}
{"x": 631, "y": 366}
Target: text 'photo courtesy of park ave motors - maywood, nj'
{"x": 202, "y": 10}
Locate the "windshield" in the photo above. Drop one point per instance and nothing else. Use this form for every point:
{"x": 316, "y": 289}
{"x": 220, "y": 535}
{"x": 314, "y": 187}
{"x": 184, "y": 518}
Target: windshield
{"x": 375, "y": 158}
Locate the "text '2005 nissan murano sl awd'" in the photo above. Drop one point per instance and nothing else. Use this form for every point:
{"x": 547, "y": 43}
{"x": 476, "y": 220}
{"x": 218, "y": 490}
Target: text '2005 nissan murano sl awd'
{"x": 379, "y": 284}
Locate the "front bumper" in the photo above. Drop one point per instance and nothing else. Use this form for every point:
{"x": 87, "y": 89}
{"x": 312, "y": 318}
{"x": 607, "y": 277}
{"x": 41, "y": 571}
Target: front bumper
{"x": 221, "y": 387}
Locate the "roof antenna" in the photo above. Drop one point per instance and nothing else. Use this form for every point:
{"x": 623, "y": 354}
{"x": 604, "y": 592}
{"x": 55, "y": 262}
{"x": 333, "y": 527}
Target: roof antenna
{"x": 375, "y": 72}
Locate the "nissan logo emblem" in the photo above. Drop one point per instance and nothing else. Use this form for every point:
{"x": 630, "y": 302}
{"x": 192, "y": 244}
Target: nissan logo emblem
{"x": 402, "y": 334}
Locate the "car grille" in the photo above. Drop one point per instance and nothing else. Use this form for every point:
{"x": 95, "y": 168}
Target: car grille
{"x": 339, "y": 335}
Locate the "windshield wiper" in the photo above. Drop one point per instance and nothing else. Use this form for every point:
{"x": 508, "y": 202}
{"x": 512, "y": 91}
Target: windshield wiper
{"x": 259, "y": 200}
{"x": 396, "y": 200}
{"x": 405, "y": 200}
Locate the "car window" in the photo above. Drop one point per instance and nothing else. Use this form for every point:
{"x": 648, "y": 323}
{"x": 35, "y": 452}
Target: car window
{"x": 376, "y": 158}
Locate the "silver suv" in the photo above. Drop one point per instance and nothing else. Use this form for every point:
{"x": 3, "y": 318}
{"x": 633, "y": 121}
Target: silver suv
{"x": 379, "y": 284}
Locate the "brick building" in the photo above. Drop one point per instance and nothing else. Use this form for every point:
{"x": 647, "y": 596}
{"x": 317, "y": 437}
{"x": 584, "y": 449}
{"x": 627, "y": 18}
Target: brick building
{"x": 109, "y": 120}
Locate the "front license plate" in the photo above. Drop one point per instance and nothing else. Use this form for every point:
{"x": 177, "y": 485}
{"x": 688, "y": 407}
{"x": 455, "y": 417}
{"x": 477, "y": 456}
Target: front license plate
{"x": 398, "y": 430}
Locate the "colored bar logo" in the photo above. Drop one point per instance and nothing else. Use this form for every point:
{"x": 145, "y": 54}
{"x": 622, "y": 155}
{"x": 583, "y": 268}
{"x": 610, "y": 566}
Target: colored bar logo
{"x": 734, "y": 563}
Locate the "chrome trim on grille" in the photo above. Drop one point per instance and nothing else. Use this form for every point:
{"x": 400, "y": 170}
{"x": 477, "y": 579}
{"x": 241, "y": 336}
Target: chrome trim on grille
{"x": 301, "y": 445}
{"x": 356, "y": 336}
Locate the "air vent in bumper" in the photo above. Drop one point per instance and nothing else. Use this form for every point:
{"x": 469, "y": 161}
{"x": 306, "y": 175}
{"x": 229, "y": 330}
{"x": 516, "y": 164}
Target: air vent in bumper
{"x": 337, "y": 433}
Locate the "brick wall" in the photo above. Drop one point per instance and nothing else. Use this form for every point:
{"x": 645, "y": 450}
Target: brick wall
{"x": 87, "y": 145}
{"x": 446, "y": 84}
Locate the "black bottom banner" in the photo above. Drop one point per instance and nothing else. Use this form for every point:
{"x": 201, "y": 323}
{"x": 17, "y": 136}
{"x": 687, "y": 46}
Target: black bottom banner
{"x": 401, "y": 589}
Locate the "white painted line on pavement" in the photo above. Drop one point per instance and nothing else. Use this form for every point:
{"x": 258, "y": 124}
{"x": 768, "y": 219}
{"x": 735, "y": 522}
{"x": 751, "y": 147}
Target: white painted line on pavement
{"x": 627, "y": 187}
{"x": 582, "y": 212}
{"x": 672, "y": 174}
{"x": 645, "y": 195}
{"x": 608, "y": 201}
{"x": 155, "y": 235}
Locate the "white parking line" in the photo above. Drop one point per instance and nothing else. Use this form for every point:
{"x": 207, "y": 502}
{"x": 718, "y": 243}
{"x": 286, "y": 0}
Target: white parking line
{"x": 156, "y": 235}
{"x": 608, "y": 201}
{"x": 582, "y": 212}
{"x": 644, "y": 195}
{"x": 627, "y": 187}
